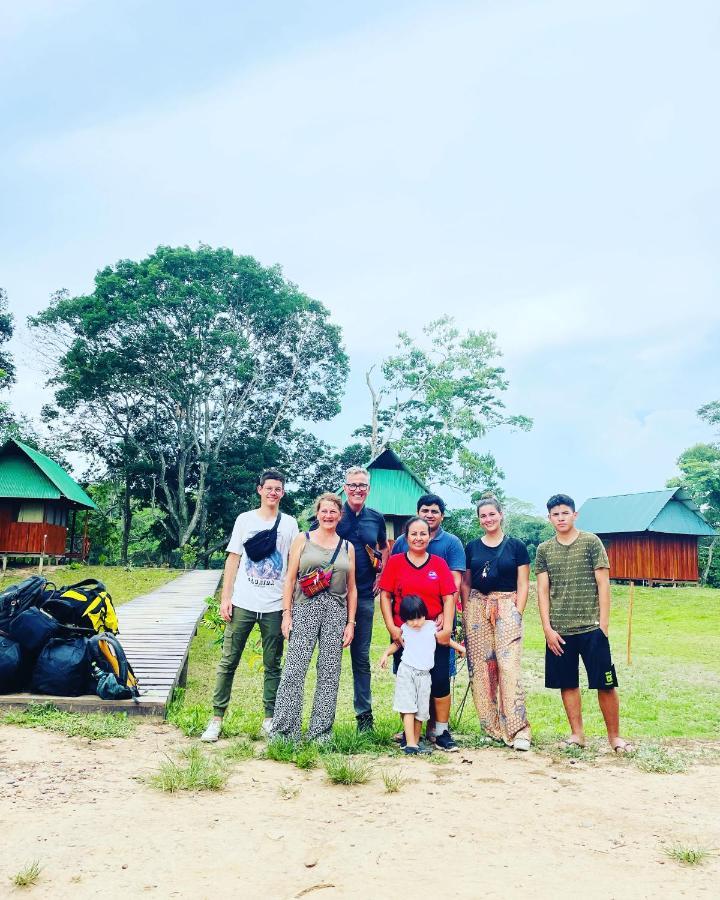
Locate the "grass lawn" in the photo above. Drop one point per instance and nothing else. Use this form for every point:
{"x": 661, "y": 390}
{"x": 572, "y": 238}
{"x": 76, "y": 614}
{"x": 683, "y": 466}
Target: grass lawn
{"x": 670, "y": 691}
{"x": 122, "y": 583}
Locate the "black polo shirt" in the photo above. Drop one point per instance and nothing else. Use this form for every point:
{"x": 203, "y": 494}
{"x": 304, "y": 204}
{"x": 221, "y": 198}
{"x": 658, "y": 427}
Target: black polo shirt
{"x": 365, "y": 527}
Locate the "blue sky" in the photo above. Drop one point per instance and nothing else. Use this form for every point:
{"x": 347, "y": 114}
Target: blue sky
{"x": 547, "y": 170}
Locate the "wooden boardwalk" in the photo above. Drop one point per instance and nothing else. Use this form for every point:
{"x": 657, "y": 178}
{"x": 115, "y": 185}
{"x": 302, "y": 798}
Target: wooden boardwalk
{"x": 155, "y": 630}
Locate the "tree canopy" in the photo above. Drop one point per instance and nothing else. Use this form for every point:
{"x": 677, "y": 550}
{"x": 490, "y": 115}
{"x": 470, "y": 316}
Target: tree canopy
{"x": 700, "y": 476}
{"x": 436, "y": 399}
{"x": 174, "y": 358}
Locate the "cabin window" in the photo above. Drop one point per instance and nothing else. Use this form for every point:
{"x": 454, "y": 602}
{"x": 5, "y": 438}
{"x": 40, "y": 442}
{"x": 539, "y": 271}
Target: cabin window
{"x": 31, "y": 512}
{"x": 56, "y": 515}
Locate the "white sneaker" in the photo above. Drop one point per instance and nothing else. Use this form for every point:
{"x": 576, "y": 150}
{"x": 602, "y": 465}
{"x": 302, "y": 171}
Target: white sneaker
{"x": 212, "y": 732}
{"x": 266, "y": 726}
{"x": 521, "y": 744}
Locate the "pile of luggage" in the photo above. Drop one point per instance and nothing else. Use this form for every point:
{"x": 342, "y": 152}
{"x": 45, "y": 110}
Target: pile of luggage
{"x": 62, "y": 641}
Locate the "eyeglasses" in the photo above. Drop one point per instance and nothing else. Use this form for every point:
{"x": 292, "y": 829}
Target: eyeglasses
{"x": 354, "y": 486}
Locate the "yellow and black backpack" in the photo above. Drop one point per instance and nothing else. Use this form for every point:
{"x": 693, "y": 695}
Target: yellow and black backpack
{"x": 86, "y": 605}
{"x": 114, "y": 676}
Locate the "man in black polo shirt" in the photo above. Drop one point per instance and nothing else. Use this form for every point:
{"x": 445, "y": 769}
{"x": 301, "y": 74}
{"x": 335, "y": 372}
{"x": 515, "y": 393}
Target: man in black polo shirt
{"x": 365, "y": 529}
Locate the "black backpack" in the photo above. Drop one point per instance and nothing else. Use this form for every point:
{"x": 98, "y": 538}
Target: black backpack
{"x": 17, "y": 598}
{"x": 63, "y": 668}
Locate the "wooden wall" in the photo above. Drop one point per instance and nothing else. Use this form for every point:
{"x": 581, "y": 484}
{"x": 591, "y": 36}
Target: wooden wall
{"x": 27, "y": 537}
{"x": 649, "y": 556}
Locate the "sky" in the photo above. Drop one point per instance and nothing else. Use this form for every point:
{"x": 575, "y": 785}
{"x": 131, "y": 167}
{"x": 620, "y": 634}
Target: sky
{"x": 544, "y": 170}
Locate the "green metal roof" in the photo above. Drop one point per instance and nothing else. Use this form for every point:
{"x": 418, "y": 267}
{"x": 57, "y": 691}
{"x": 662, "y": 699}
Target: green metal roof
{"x": 394, "y": 490}
{"x": 27, "y": 474}
{"x": 670, "y": 511}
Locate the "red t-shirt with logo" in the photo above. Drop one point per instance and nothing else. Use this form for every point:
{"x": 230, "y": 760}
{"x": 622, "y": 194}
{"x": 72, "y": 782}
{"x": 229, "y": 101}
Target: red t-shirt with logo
{"x": 431, "y": 581}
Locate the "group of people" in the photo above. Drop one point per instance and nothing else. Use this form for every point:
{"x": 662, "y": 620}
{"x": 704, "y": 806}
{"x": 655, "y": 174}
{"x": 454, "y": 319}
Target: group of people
{"x": 318, "y": 589}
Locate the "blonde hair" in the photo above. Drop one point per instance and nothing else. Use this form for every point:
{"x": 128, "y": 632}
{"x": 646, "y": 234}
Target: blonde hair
{"x": 488, "y": 499}
{"x": 328, "y": 497}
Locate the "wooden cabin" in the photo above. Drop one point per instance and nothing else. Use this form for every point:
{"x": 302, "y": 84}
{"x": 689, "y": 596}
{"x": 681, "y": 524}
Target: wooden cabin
{"x": 39, "y": 503}
{"x": 650, "y": 537}
{"x": 394, "y": 491}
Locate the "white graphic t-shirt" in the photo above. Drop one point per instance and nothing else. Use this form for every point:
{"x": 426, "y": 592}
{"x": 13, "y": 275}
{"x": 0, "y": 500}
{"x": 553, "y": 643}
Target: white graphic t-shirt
{"x": 258, "y": 585}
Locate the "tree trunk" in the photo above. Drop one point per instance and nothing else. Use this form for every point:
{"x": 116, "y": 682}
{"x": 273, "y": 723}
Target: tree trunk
{"x": 711, "y": 549}
{"x": 126, "y": 520}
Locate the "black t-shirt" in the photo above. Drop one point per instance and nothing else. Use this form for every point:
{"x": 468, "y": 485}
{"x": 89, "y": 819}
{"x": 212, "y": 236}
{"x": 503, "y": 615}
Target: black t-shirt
{"x": 368, "y": 527}
{"x": 478, "y": 554}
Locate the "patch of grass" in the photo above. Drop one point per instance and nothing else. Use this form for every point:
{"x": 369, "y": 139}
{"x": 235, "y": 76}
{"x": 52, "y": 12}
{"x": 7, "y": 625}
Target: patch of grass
{"x": 238, "y": 750}
{"x": 307, "y": 756}
{"x": 654, "y": 758}
{"x": 347, "y": 769}
{"x": 281, "y": 749}
{"x": 393, "y": 779}
{"x": 198, "y": 772}
{"x": 479, "y": 742}
{"x": 288, "y": 791}
{"x": 688, "y": 856}
{"x": 438, "y": 759}
{"x": 191, "y": 720}
{"x": 27, "y": 876}
{"x": 93, "y": 726}
{"x": 122, "y": 582}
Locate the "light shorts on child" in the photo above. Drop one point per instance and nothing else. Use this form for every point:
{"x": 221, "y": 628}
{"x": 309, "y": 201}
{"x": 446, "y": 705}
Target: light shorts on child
{"x": 412, "y": 692}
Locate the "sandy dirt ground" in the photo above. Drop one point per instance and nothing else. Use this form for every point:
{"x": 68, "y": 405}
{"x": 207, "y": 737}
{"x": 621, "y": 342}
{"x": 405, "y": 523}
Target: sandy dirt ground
{"x": 486, "y": 824}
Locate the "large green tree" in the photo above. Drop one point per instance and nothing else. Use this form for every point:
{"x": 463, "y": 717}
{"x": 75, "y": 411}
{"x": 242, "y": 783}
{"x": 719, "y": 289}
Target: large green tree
{"x": 177, "y": 356}
{"x": 436, "y": 399}
{"x": 700, "y": 475}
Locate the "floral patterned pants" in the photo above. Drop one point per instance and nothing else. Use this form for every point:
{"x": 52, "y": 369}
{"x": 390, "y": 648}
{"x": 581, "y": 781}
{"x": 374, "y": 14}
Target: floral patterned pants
{"x": 493, "y": 637}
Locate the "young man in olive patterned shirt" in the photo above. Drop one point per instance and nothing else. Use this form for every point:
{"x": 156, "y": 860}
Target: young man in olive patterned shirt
{"x": 573, "y": 583}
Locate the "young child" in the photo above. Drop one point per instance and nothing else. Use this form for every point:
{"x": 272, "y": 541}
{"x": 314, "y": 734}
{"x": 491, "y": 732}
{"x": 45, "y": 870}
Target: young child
{"x": 412, "y": 684}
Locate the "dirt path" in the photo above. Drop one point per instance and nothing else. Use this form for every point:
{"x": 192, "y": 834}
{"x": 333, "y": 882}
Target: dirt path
{"x": 485, "y": 824}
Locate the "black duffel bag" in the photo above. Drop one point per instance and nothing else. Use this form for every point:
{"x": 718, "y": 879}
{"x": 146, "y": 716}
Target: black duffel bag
{"x": 63, "y": 668}
{"x": 10, "y": 665}
{"x": 33, "y": 628}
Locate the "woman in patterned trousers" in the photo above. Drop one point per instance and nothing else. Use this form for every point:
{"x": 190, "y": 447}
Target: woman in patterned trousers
{"x": 494, "y": 593}
{"x": 327, "y": 619}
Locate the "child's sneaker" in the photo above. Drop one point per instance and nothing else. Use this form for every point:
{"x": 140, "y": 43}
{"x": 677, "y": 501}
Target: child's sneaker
{"x": 411, "y": 751}
{"x": 212, "y": 732}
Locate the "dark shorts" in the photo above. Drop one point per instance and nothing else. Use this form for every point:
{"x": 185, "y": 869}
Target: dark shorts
{"x": 594, "y": 648}
{"x": 440, "y": 672}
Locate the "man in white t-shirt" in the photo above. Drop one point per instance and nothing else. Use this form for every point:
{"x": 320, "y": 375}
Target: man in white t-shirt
{"x": 252, "y": 594}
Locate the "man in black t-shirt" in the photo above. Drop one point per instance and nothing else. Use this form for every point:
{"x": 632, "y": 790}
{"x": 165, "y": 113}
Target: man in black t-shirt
{"x": 365, "y": 529}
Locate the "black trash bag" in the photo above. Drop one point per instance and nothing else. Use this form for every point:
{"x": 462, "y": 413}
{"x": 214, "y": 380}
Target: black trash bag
{"x": 11, "y": 665}
{"x": 63, "y": 668}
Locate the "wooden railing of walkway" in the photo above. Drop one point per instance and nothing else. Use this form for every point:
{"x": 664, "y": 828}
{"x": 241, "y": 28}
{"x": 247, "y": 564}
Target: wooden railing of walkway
{"x": 155, "y": 630}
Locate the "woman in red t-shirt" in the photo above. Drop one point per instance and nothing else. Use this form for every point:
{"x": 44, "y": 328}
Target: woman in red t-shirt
{"x": 426, "y": 576}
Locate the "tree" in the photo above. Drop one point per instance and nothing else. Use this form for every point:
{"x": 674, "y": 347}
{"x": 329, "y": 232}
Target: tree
{"x": 177, "y": 355}
{"x": 700, "y": 468}
{"x": 434, "y": 401}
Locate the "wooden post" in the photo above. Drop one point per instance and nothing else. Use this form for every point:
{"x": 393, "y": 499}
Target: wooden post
{"x": 42, "y": 555}
{"x": 629, "y": 627}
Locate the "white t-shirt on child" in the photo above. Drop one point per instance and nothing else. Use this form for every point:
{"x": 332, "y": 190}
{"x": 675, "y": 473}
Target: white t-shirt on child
{"x": 419, "y": 646}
